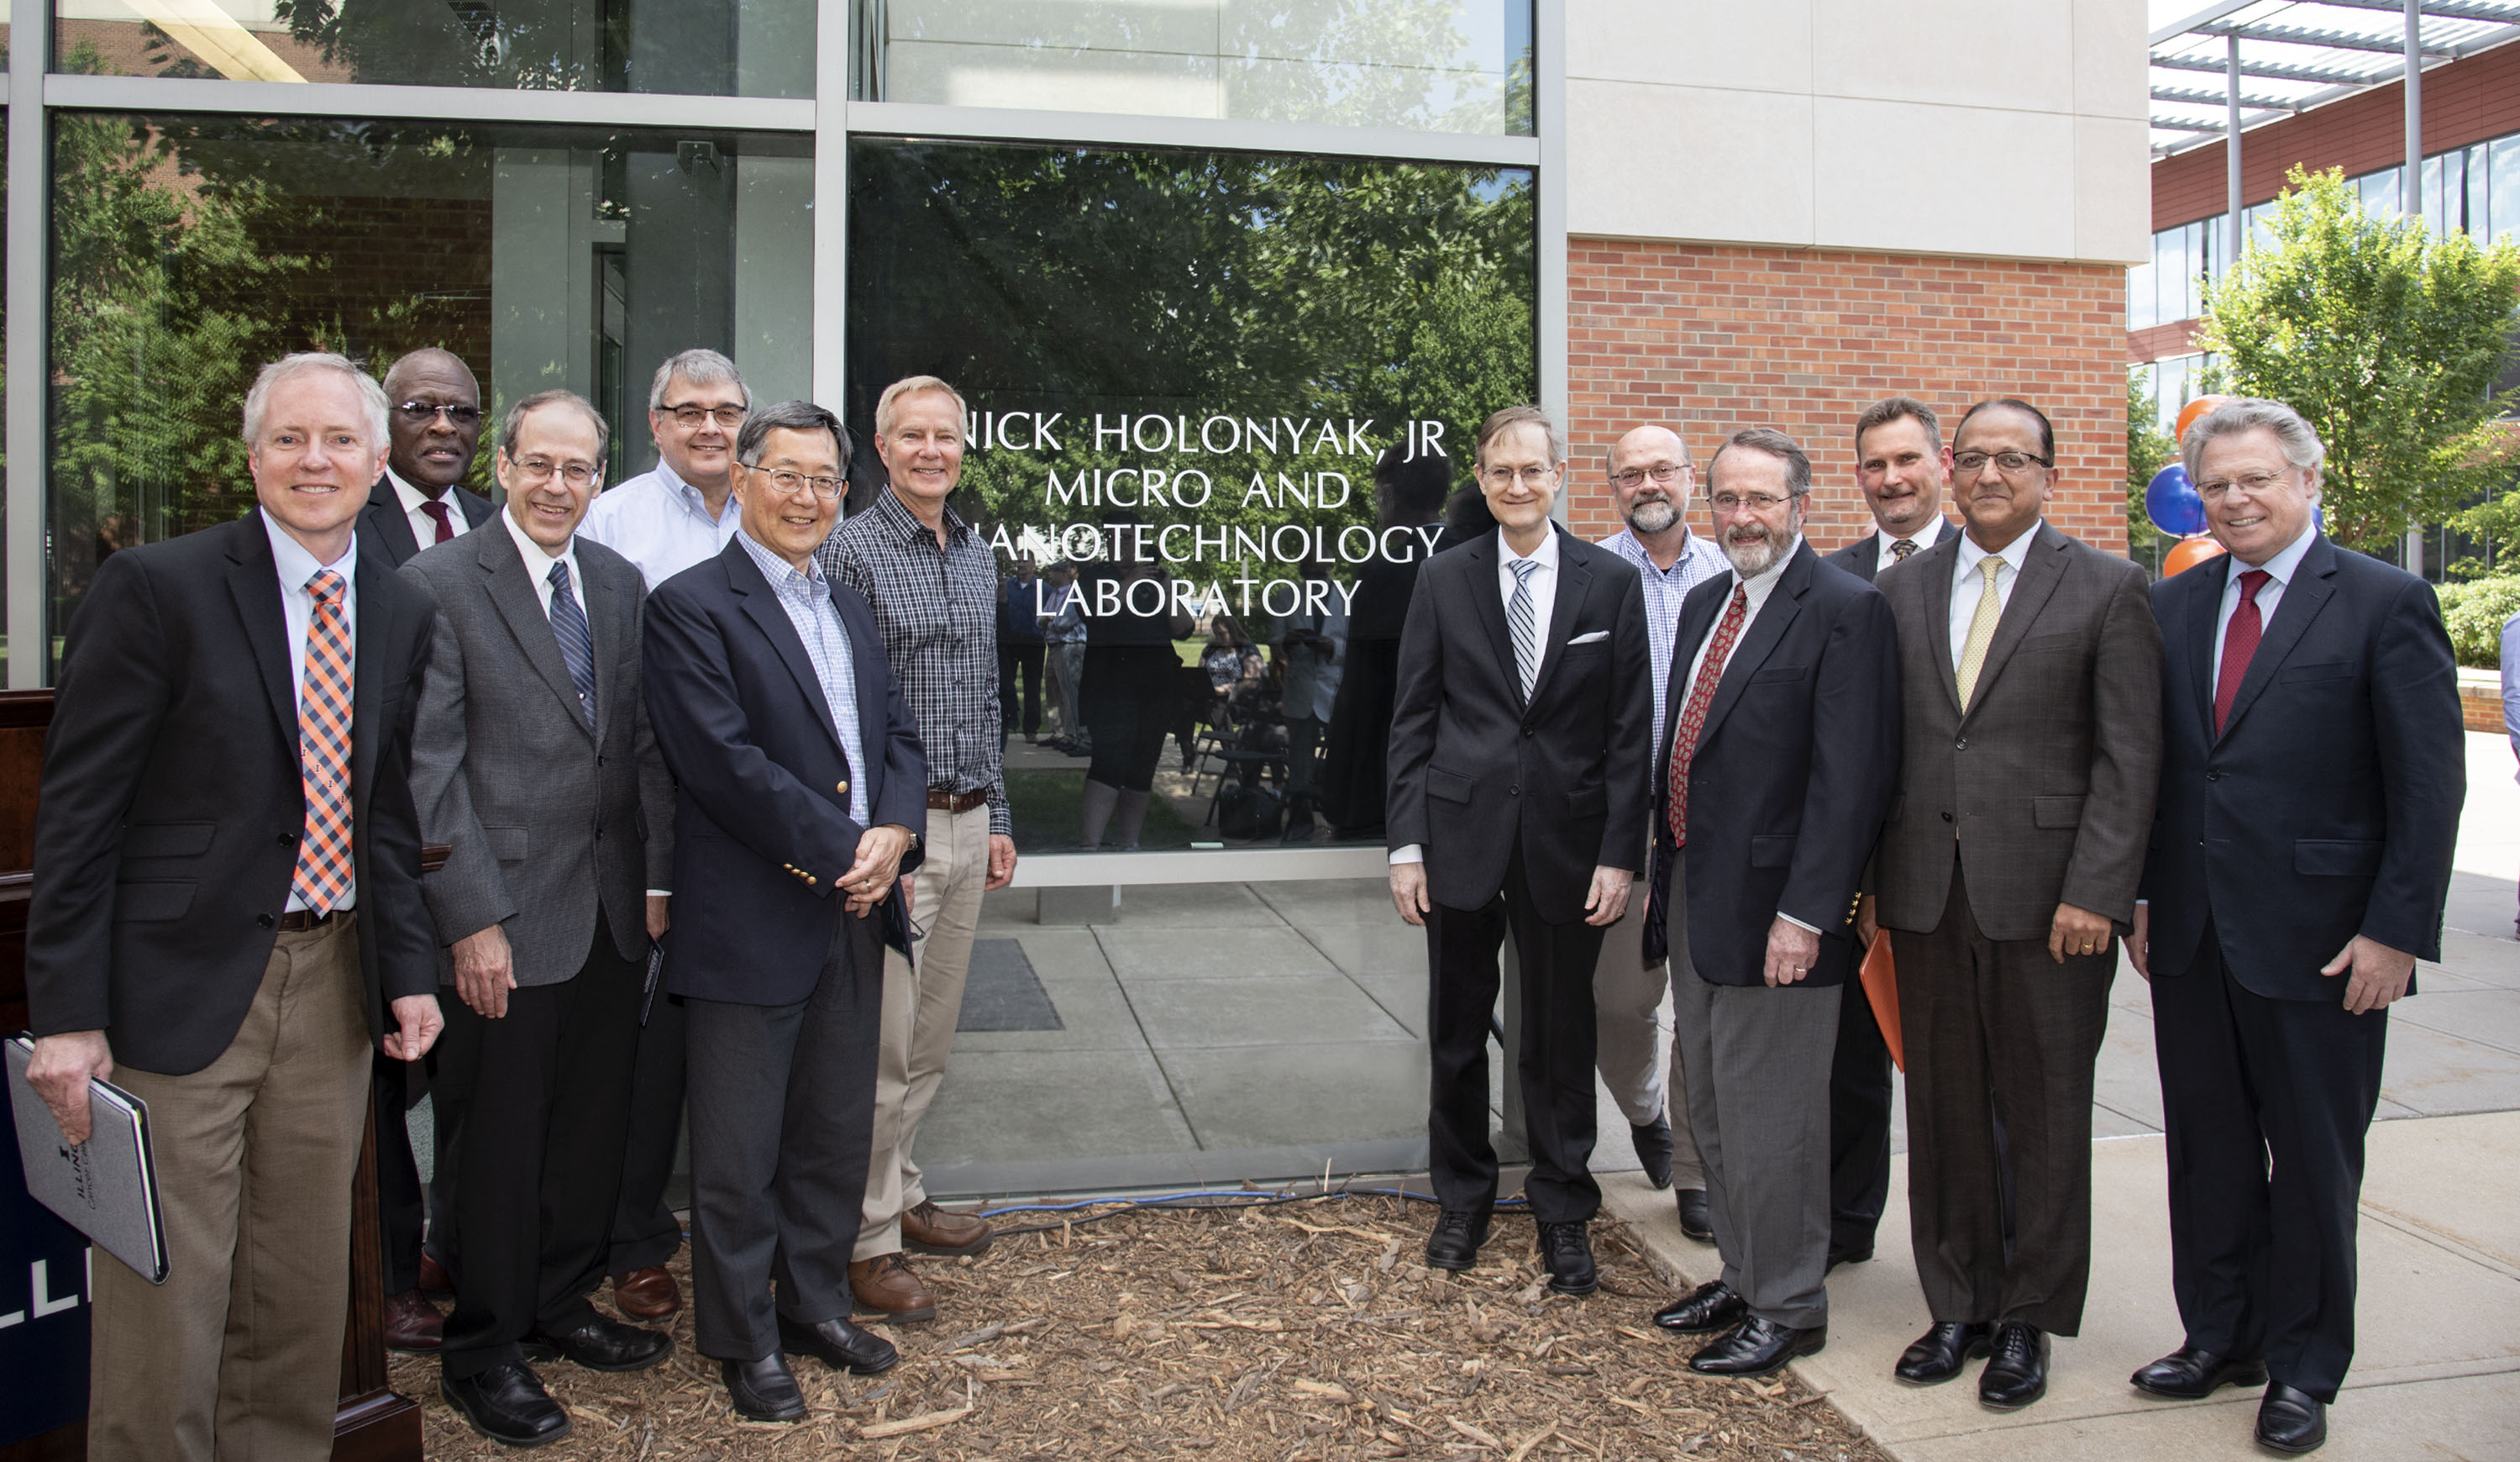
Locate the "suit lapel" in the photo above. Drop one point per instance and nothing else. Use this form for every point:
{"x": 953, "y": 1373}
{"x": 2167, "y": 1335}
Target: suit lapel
{"x": 518, "y": 603}
{"x": 1760, "y": 639}
{"x": 1486, "y": 554}
{"x": 2202, "y": 608}
{"x": 370, "y": 666}
{"x": 761, "y": 604}
{"x": 1868, "y": 557}
{"x": 385, "y": 521}
{"x": 1574, "y": 580}
{"x": 613, "y": 608}
{"x": 1937, "y": 565}
{"x": 254, "y": 581}
{"x": 1697, "y": 615}
{"x": 2042, "y": 569}
{"x": 2303, "y": 599}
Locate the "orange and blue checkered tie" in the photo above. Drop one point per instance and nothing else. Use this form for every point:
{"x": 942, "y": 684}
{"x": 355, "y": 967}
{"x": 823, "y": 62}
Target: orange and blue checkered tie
{"x": 323, "y": 877}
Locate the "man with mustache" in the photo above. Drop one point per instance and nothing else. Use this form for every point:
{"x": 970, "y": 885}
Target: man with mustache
{"x": 1652, "y": 479}
{"x": 1778, "y": 757}
{"x": 2030, "y": 674}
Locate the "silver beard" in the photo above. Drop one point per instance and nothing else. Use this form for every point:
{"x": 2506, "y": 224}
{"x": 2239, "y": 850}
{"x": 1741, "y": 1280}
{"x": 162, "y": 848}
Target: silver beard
{"x": 1652, "y": 516}
{"x": 1750, "y": 560}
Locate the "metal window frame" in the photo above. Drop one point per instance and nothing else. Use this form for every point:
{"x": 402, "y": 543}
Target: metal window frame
{"x": 831, "y": 119}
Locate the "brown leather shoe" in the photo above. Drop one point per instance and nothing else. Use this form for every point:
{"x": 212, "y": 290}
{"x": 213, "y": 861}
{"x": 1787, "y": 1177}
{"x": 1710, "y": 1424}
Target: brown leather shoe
{"x": 434, "y": 1282}
{"x": 929, "y": 1229}
{"x": 648, "y": 1294}
{"x": 886, "y": 1286}
{"x": 413, "y": 1325}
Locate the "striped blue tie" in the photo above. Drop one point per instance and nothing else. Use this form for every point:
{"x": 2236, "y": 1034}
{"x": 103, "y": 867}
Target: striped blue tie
{"x": 1526, "y": 624}
{"x": 576, "y": 644}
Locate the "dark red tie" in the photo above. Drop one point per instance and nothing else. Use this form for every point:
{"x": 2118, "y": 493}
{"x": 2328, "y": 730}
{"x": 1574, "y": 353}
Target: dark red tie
{"x": 1693, "y": 717}
{"x": 436, "y": 511}
{"x": 2240, "y": 642}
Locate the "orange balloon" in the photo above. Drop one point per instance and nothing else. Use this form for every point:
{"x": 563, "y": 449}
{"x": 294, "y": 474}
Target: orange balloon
{"x": 2189, "y": 553}
{"x": 2188, "y": 413}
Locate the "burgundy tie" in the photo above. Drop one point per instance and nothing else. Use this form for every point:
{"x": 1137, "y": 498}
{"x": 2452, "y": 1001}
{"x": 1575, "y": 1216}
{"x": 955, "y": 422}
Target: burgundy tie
{"x": 2240, "y": 642}
{"x": 436, "y": 510}
{"x": 1692, "y": 715}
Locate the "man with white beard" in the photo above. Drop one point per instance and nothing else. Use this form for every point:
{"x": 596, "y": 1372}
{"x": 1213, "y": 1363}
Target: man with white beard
{"x": 1777, "y": 754}
{"x": 1652, "y": 479}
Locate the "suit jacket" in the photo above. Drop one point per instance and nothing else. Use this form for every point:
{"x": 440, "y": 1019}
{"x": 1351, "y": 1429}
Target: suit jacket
{"x": 2047, "y": 783}
{"x": 546, "y": 819}
{"x": 1792, "y": 769}
{"x": 171, "y": 803}
{"x": 384, "y": 528}
{"x": 2329, "y": 804}
{"x": 1477, "y": 772}
{"x": 1863, "y": 557}
{"x": 762, "y": 785}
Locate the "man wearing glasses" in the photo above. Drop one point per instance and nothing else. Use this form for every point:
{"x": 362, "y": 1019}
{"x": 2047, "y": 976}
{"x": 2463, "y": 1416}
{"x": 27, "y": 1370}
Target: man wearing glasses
{"x": 665, "y": 521}
{"x": 2029, "y": 679}
{"x": 934, "y": 585}
{"x": 434, "y": 431}
{"x": 1520, "y": 739}
{"x": 1652, "y": 479}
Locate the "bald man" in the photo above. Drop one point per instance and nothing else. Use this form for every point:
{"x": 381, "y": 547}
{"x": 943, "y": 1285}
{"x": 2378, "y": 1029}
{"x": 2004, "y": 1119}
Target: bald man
{"x": 1653, "y": 477}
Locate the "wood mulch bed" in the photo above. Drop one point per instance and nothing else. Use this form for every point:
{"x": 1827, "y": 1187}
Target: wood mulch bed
{"x": 1299, "y": 1331}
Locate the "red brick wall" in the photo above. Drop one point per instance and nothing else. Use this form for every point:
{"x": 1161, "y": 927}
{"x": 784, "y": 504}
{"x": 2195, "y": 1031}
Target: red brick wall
{"x": 1712, "y": 338}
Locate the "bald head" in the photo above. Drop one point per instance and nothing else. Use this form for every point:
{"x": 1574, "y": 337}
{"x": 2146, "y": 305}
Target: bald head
{"x": 432, "y": 449}
{"x": 1652, "y": 479}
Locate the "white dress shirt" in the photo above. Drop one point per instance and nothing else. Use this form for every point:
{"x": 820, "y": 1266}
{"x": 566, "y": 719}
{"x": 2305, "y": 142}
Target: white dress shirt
{"x": 1924, "y": 537}
{"x": 297, "y": 610}
{"x": 1968, "y": 584}
{"x": 1756, "y": 592}
{"x": 659, "y": 522}
{"x": 2279, "y": 570}
{"x": 538, "y": 564}
{"x": 424, "y": 528}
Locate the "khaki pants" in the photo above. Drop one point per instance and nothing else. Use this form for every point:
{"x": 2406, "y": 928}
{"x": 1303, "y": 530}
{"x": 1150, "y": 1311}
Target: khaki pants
{"x": 921, "y": 1009}
{"x": 1628, "y": 1001}
{"x": 239, "y": 1354}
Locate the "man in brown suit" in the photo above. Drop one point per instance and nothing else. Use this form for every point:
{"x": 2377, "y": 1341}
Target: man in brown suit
{"x": 2031, "y": 680}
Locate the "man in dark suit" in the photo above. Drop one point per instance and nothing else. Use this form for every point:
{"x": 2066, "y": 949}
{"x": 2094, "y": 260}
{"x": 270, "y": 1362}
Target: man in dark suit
{"x": 434, "y": 431}
{"x": 800, "y": 777}
{"x": 531, "y": 721}
{"x": 1519, "y": 788}
{"x": 226, "y": 910}
{"x": 2030, "y": 676}
{"x": 1778, "y": 751}
{"x": 1901, "y": 467}
{"x": 2281, "y": 925}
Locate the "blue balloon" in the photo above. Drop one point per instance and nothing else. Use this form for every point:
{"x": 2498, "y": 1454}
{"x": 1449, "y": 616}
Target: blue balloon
{"x": 2169, "y": 500}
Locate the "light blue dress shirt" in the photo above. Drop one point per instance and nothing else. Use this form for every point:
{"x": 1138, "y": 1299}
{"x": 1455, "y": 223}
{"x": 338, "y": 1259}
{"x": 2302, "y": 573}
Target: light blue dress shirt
{"x": 806, "y": 595}
{"x": 659, "y": 522}
{"x": 1665, "y": 590}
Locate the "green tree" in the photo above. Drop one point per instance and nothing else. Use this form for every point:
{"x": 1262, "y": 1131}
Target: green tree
{"x": 2149, "y": 449}
{"x": 2387, "y": 337}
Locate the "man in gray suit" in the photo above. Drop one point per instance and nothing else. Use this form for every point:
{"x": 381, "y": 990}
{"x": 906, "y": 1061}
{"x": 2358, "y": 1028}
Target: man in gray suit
{"x": 533, "y": 762}
{"x": 2030, "y": 676}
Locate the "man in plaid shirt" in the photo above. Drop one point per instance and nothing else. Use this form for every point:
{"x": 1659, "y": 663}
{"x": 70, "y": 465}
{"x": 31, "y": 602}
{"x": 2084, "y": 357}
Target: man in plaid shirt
{"x": 933, "y": 583}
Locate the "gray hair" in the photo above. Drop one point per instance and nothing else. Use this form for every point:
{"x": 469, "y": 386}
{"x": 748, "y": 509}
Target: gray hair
{"x": 2302, "y": 447}
{"x": 699, "y": 368}
{"x": 257, "y": 398}
{"x": 787, "y": 416}
{"x": 887, "y": 408}
{"x": 1772, "y": 442}
{"x": 516, "y": 414}
{"x": 1512, "y": 417}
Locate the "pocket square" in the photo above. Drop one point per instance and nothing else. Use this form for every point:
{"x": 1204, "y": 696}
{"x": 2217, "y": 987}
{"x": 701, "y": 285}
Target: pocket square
{"x": 1595, "y": 637}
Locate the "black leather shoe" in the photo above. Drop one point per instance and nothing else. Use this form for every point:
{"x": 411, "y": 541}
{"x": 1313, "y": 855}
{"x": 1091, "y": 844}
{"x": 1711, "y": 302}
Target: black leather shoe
{"x": 1568, "y": 1251}
{"x": 2189, "y": 1374}
{"x": 1703, "y": 1310}
{"x": 1755, "y": 1347}
{"x": 2291, "y": 1422}
{"x": 601, "y": 1345}
{"x": 839, "y": 1344}
{"x": 1837, "y": 1256}
{"x": 508, "y": 1404}
{"x": 2016, "y": 1374}
{"x": 1454, "y": 1243}
{"x": 763, "y": 1389}
{"x": 1941, "y": 1351}
{"x": 1653, "y": 1150}
{"x": 1694, "y": 1220}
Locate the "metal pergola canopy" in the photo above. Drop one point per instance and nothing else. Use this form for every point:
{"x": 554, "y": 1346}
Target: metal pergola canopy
{"x": 2293, "y": 55}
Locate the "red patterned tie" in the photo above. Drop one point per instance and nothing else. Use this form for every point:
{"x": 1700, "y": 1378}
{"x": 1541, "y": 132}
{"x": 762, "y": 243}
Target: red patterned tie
{"x": 436, "y": 508}
{"x": 2240, "y": 642}
{"x": 323, "y": 877}
{"x": 1693, "y": 717}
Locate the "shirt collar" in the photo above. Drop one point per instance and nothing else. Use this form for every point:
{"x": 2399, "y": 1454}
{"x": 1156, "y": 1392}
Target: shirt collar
{"x": 905, "y": 525}
{"x": 2016, "y": 553}
{"x": 1765, "y": 583}
{"x": 538, "y": 562}
{"x": 297, "y": 565}
{"x": 2284, "y": 564}
{"x": 1627, "y": 545}
{"x": 687, "y": 494}
{"x": 1545, "y": 555}
{"x": 779, "y": 570}
{"x": 1924, "y": 537}
{"x": 412, "y": 497}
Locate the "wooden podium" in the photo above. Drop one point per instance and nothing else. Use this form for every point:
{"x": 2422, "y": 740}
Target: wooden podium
{"x": 374, "y": 1424}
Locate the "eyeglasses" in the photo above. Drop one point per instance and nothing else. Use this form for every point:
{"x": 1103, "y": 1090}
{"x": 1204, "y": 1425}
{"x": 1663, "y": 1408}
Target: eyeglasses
{"x": 693, "y": 416}
{"x": 789, "y": 482}
{"x": 421, "y": 412}
{"x": 2253, "y": 483}
{"x": 2010, "y": 463}
{"x": 1635, "y": 477}
{"x": 1756, "y": 502}
{"x": 1507, "y": 476}
{"x": 536, "y": 470}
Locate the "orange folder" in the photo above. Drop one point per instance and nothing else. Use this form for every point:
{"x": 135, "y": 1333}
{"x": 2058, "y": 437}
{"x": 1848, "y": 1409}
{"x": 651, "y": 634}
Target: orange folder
{"x": 1880, "y": 976}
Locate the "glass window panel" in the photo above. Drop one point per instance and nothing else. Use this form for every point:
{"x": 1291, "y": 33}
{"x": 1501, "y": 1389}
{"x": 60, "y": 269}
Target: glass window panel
{"x": 2192, "y": 273}
{"x": 188, "y": 250}
{"x": 2445, "y": 190}
{"x": 2141, "y": 312}
{"x": 755, "y": 48}
{"x": 1214, "y": 349}
{"x": 2480, "y": 180}
{"x": 2504, "y": 211}
{"x": 1446, "y": 65}
{"x": 2166, "y": 267}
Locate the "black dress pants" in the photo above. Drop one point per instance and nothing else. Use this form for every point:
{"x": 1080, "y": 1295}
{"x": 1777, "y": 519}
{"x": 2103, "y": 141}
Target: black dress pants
{"x": 402, "y": 1207}
{"x": 1858, "y": 1125}
{"x": 1554, "y": 1062}
{"x": 1018, "y": 660}
{"x": 2265, "y": 1104}
{"x": 645, "y": 1231}
{"x": 535, "y": 1101}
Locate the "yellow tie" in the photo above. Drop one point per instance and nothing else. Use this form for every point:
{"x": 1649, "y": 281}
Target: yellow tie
{"x": 1981, "y": 629}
